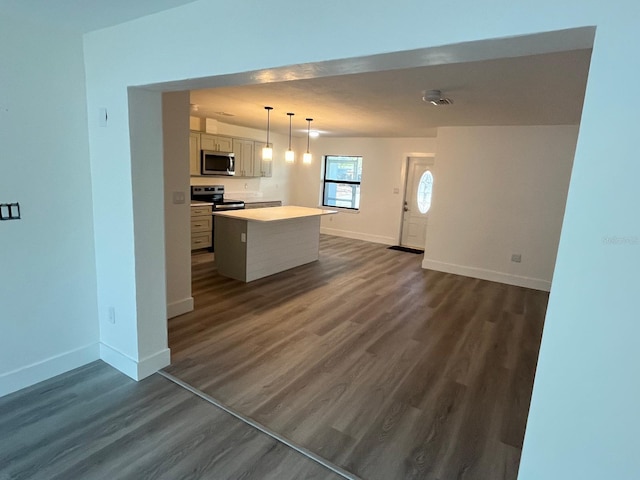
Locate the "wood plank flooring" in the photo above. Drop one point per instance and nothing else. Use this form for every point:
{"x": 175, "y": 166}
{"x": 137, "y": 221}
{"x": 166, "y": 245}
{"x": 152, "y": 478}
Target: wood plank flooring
{"x": 96, "y": 423}
{"x": 386, "y": 369}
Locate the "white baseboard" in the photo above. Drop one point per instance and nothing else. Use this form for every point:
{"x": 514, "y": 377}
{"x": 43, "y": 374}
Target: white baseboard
{"x": 151, "y": 364}
{"x": 180, "y": 307}
{"x": 37, "y": 372}
{"x": 491, "y": 275}
{"x": 134, "y": 368}
{"x": 359, "y": 236}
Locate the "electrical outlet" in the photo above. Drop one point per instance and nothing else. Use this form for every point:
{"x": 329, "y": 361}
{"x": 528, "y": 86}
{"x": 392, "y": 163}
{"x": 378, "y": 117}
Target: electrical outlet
{"x": 112, "y": 315}
{"x": 516, "y": 257}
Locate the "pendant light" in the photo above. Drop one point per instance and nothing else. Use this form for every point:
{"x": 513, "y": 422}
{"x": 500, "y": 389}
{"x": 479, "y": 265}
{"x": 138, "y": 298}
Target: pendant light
{"x": 267, "y": 151}
{"x": 306, "y": 158}
{"x": 290, "y": 155}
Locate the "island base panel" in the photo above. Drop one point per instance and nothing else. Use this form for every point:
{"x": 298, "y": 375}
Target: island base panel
{"x": 269, "y": 247}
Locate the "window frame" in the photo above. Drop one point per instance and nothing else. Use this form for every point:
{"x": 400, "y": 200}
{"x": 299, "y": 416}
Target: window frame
{"x": 428, "y": 173}
{"x": 325, "y": 181}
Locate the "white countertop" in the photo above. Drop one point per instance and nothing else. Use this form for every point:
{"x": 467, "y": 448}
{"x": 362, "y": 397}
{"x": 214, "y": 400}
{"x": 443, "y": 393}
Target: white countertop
{"x": 274, "y": 214}
{"x": 199, "y": 203}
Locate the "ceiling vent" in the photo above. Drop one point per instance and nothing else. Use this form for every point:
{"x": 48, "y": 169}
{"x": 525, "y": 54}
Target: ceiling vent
{"x": 434, "y": 97}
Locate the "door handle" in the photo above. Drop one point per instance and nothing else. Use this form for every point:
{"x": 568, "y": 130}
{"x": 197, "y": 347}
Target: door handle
{"x": 406, "y": 209}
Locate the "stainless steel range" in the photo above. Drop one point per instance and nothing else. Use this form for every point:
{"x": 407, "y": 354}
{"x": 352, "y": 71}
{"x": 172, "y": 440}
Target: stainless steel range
{"x": 215, "y": 194}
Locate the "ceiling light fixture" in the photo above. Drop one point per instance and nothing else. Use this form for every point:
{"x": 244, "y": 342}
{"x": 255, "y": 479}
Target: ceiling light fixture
{"x": 307, "y": 156}
{"x": 434, "y": 97}
{"x": 267, "y": 151}
{"x": 290, "y": 155}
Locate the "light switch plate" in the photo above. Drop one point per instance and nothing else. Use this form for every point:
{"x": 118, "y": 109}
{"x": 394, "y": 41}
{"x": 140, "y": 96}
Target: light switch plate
{"x": 10, "y": 211}
{"x": 178, "y": 198}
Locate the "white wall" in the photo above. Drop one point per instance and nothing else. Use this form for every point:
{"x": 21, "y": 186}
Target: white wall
{"x": 48, "y": 316}
{"x": 177, "y": 217}
{"x": 383, "y": 170}
{"x": 583, "y": 420}
{"x": 499, "y": 191}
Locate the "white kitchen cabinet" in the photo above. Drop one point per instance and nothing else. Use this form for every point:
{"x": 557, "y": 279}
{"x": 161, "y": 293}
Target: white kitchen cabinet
{"x": 260, "y": 167}
{"x": 248, "y": 153}
{"x": 216, "y": 143}
{"x": 201, "y": 223}
{"x": 194, "y": 153}
{"x": 244, "y": 153}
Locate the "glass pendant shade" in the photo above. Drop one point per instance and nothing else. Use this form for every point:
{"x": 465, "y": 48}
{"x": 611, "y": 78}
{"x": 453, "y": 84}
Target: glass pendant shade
{"x": 267, "y": 153}
{"x": 307, "y": 158}
{"x": 290, "y": 156}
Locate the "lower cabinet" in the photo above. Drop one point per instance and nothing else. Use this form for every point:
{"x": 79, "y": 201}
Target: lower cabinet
{"x": 201, "y": 223}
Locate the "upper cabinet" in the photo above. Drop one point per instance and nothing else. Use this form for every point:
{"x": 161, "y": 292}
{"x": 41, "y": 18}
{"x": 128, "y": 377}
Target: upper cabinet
{"x": 261, "y": 168}
{"x": 194, "y": 153}
{"x": 216, "y": 143}
{"x": 243, "y": 150}
{"x": 248, "y": 153}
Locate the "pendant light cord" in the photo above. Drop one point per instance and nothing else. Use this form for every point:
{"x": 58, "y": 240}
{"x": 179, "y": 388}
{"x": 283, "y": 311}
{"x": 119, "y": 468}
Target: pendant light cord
{"x": 290, "y": 115}
{"x": 268, "y": 109}
{"x": 309, "y": 120}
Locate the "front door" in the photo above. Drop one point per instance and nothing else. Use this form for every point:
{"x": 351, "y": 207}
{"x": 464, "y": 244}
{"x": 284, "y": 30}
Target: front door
{"x": 417, "y": 201}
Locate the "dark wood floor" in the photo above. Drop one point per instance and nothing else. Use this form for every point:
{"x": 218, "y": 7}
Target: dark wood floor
{"x": 96, "y": 423}
{"x": 386, "y": 369}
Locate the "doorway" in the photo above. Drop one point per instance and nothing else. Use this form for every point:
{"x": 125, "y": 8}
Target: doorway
{"x": 417, "y": 202}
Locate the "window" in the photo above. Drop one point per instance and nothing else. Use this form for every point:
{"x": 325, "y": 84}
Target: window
{"x": 425, "y": 187}
{"x": 342, "y": 177}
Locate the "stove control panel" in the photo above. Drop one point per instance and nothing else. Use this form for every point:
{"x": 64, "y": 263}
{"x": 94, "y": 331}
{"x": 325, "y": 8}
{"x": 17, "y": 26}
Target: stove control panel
{"x": 207, "y": 190}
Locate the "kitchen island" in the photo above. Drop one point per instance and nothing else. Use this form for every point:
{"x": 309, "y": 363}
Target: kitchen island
{"x": 256, "y": 243}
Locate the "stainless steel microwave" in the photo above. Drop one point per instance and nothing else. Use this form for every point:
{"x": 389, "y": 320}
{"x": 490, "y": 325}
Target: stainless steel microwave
{"x": 217, "y": 163}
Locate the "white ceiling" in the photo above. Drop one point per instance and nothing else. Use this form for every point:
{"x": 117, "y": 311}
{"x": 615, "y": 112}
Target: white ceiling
{"x": 545, "y": 89}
